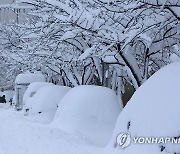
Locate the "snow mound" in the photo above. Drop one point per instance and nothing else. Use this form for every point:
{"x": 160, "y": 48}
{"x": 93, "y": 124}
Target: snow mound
{"x": 44, "y": 103}
{"x": 31, "y": 90}
{"x": 19, "y": 135}
{"x": 153, "y": 111}
{"x": 29, "y": 78}
{"x": 90, "y": 112}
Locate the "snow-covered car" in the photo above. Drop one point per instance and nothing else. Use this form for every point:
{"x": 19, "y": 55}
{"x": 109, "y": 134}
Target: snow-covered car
{"x": 29, "y": 93}
{"x": 44, "y": 103}
{"x": 90, "y": 112}
{"x": 150, "y": 121}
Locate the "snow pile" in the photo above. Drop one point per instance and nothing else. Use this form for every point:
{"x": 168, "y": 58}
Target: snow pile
{"x": 90, "y": 112}
{"x": 29, "y": 78}
{"x": 153, "y": 111}
{"x": 18, "y": 135}
{"x": 44, "y": 103}
{"x": 31, "y": 90}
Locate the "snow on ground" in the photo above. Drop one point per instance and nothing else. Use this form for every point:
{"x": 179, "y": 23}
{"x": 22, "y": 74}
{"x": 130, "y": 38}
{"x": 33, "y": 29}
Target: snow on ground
{"x": 88, "y": 111}
{"x": 153, "y": 111}
{"x": 18, "y": 135}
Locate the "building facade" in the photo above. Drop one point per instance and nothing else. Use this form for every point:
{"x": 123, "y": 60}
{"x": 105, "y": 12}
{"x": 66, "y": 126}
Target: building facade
{"x": 10, "y": 11}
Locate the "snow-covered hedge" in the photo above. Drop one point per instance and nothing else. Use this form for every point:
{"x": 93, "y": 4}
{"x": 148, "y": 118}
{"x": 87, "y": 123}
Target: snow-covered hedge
{"x": 88, "y": 111}
{"x": 43, "y": 105}
{"x": 153, "y": 111}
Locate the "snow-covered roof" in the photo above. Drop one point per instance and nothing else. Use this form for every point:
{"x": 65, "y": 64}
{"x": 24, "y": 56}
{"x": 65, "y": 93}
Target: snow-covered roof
{"x": 28, "y": 78}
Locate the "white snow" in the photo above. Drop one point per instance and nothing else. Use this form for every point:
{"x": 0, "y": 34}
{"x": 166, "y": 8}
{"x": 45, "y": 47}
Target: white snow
{"x": 87, "y": 53}
{"x": 31, "y": 90}
{"x": 86, "y": 118}
{"x": 43, "y": 105}
{"x": 29, "y": 78}
{"x": 21, "y": 83}
{"x": 18, "y": 135}
{"x": 175, "y": 56}
{"x": 153, "y": 111}
{"x": 90, "y": 112}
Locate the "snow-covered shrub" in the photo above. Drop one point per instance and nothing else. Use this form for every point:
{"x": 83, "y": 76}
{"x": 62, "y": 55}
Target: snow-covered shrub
{"x": 153, "y": 111}
{"x": 43, "y": 105}
{"x": 88, "y": 111}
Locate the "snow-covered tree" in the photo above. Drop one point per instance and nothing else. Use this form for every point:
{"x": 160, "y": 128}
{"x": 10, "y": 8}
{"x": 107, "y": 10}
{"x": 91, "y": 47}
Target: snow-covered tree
{"x": 97, "y": 42}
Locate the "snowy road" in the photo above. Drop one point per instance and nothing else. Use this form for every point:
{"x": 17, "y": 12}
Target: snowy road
{"x": 19, "y": 135}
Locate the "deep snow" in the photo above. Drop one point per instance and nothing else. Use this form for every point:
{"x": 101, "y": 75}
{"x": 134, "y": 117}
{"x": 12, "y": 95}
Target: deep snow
{"x": 19, "y": 135}
{"x": 33, "y": 88}
{"x": 29, "y": 93}
{"x": 44, "y": 103}
{"x": 89, "y": 111}
{"x": 153, "y": 111}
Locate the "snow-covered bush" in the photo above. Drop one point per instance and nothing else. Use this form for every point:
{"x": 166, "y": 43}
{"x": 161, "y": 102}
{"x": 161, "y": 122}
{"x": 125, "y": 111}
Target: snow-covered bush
{"x": 88, "y": 111}
{"x": 43, "y": 105}
{"x": 153, "y": 111}
{"x": 31, "y": 90}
